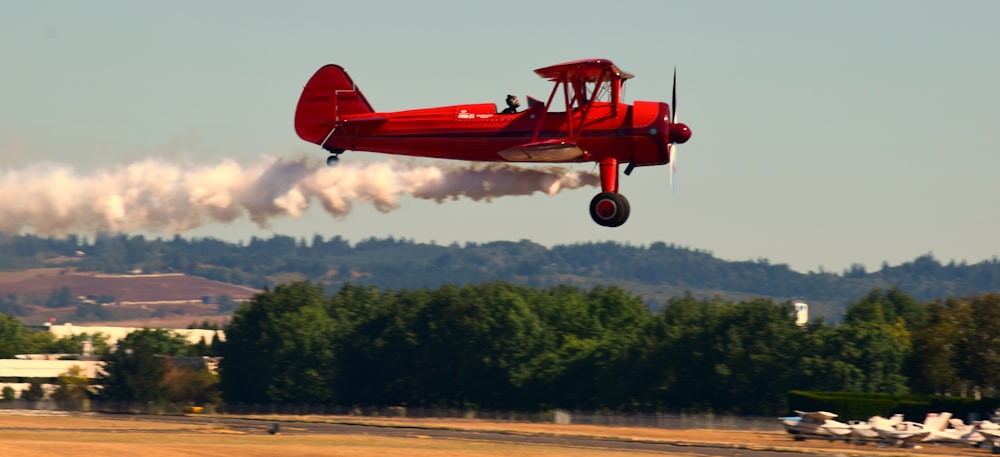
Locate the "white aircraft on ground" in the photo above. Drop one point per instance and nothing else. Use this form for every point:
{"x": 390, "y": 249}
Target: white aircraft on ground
{"x": 990, "y": 432}
{"x": 908, "y": 434}
{"x": 864, "y": 430}
{"x": 903, "y": 434}
{"x": 815, "y": 424}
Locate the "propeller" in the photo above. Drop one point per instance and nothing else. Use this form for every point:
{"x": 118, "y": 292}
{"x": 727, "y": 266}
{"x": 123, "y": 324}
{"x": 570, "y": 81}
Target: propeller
{"x": 679, "y": 133}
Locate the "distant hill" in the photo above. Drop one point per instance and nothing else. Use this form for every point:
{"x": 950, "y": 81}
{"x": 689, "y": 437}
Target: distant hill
{"x": 656, "y": 272}
{"x": 127, "y": 289}
{"x": 168, "y": 299}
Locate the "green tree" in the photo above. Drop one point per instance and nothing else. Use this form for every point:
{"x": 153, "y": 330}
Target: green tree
{"x": 46, "y": 343}
{"x": 934, "y": 363}
{"x": 34, "y": 392}
{"x": 99, "y": 344}
{"x": 870, "y": 351}
{"x": 879, "y": 351}
{"x": 378, "y": 360}
{"x": 73, "y": 391}
{"x": 477, "y": 343}
{"x": 687, "y": 353}
{"x": 602, "y": 340}
{"x": 14, "y": 337}
{"x": 758, "y": 342}
{"x": 9, "y": 394}
{"x": 826, "y": 360}
{"x": 201, "y": 348}
{"x": 134, "y": 371}
{"x": 888, "y": 306}
{"x": 194, "y": 385}
{"x": 280, "y": 348}
{"x": 724, "y": 356}
{"x": 978, "y": 344}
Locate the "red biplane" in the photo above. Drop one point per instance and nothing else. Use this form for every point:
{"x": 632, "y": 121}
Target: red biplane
{"x": 595, "y": 126}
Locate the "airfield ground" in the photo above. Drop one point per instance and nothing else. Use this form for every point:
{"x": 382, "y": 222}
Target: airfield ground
{"x": 26, "y": 434}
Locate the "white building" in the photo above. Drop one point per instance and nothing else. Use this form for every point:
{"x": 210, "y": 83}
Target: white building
{"x": 192, "y": 335}
{"x": 801, "y": 312}
{"x": 18, "y": 373}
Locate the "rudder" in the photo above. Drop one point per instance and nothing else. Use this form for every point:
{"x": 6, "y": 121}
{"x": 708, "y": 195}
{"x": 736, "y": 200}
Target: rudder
{"x": 328, "y": 96}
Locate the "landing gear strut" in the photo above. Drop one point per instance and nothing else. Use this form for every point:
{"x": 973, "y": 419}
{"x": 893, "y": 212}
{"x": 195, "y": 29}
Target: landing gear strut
{"x": 609, "y": 209}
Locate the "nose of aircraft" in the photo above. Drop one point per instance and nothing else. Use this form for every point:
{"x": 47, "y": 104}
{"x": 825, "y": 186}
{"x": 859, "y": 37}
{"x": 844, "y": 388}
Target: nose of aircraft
{"x": 679, "y": 133}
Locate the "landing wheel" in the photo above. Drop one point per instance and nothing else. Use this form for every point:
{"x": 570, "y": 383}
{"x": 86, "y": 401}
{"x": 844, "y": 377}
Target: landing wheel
{"x": 334, "y": 158}
{"x": 609, "y": 209}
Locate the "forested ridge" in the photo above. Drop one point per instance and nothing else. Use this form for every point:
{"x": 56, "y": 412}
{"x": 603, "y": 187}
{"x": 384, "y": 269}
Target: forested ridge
{"x": 656, "y": 272}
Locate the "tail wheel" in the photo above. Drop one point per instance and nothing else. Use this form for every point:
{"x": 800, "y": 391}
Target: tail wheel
{"x": 609, "y": 209}
{"x": 334, "y": 158}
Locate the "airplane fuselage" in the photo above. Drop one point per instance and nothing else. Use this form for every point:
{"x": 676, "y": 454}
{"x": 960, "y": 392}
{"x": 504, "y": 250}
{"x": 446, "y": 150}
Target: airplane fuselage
{"x": 631, "y": 133}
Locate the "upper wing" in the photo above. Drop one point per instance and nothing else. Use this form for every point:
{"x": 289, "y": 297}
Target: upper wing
{"x": 587, "y": 70}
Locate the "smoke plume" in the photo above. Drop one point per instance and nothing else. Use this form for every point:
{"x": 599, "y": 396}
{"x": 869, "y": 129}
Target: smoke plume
{"x": 54, "y": 199}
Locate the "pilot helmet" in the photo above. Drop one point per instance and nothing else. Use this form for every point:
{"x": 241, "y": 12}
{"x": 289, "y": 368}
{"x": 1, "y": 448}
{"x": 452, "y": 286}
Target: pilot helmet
{"x": 513, "y": 101}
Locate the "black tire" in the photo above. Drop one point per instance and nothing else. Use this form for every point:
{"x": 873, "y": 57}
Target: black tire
{"x": 609, "y": 209}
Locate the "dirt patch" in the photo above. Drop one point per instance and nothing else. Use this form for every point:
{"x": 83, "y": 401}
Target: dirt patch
{"x": 151, "y": 288}
{"x": 7, "y": 277}
{"x": 32, "y": 420}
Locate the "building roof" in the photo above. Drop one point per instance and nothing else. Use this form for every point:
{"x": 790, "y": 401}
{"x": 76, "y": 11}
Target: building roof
{"x": 193, "y": 336}
{"x": 20, "y": 368}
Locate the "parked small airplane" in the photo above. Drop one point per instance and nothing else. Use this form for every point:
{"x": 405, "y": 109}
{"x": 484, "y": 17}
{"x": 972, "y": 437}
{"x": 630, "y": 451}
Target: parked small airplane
{"x": 815, "y": 424}
{"x": 938, "y": 428}
{"x": 959, "y": 432}
{"x": 908, "y": 434}
{"x": 903, "y": 434}
{"x": 865, "y": 430}
{"x": 991, "y": 435}
{"x": 596, "y": 126}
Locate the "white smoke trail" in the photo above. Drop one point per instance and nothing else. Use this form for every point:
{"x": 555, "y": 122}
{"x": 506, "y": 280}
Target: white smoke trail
{"x": 54, "y": 199}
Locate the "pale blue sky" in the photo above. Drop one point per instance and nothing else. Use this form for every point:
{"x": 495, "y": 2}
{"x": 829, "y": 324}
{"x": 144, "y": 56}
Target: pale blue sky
{"x": 825, "y": 133}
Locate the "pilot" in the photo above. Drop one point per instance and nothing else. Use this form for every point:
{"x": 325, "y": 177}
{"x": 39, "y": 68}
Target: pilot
{"x": 512, "y": 104}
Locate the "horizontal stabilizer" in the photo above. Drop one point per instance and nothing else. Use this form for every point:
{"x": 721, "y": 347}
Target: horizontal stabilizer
{"x": 545, "y": 151}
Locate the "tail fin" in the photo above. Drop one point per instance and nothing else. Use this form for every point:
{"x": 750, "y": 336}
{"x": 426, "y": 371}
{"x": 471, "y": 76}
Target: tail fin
{"x": 328, "y": 96}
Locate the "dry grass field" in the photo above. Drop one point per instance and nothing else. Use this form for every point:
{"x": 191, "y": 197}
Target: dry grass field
{"x": 55, "y": 435}
{"x": 93, "y": 436}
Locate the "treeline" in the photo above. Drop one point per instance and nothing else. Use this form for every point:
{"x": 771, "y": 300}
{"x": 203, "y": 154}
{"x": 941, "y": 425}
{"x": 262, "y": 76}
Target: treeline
{"x": 656, "y": 272}
{"x": 511, "y": 347}
{"x": 504, "y": 346}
